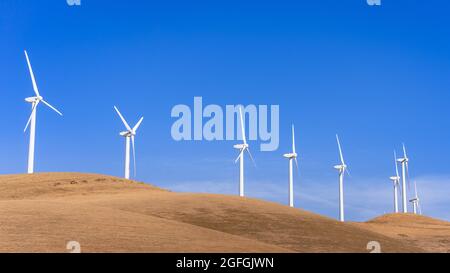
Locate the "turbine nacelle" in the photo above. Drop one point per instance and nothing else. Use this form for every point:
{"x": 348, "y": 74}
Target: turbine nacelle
{"x": 341, "y": 168}
{"x": 291, "y": 155}
{"x": 403, "y": 160}
{"x": 127, "y": 134}
{"x": 241, "y": 146}
{"x": 34, "y": 99}
{"x": 395, "y": 179}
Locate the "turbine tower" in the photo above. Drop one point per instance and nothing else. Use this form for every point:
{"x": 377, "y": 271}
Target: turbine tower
{"x": 129, "y": 135}
{"x": 242, "y": 148}
{"x": 404, "y": 161}
{"x": 416, "y": 201}
{"x": 32, "y": 120}
{"x": 342, "y": 168}
{"x": 292, "y": 157}
{"x": 396, "y": 181}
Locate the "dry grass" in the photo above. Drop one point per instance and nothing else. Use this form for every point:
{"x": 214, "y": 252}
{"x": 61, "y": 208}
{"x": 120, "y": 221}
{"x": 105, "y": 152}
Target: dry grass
{"x": 40, "y": 213}
{"x": 427, "y": 233}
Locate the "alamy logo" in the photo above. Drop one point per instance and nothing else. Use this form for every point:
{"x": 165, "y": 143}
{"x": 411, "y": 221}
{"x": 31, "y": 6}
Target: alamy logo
{"x": 212, "y": 123}
{"x": 74, "y": 2}
{"x": 73, "y": 247}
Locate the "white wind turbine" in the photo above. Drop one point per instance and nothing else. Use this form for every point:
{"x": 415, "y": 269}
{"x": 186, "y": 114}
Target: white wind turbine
{"x": 32, "y": 120}
{"x": 404, "y": 161}
{"x": 292, "y": 157}
{"x": 416, "y": 201}
{"x": 396, "y": 181}
{"x": 129, "y": 134}
{"x": 242, "y": 148}
{"x": 342, "y": 168}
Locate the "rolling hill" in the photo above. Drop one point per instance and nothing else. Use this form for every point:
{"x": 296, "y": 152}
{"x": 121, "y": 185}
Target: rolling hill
{"x": 430, "y": 234}
{"x": 42, "y": 212}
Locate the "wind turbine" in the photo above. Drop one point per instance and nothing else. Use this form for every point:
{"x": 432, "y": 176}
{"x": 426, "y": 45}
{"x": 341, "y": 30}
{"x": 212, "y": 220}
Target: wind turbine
{"x": 342, "y": 168}
{"x": 32, "y": 120}
{"x": 416, "y": 201}
{"x": 396, "y": 181}
{"x": 129, "y": 135}
{"x": 404, "y": 161}
{"x": 292, "y": 156}
{"x": 242, "y": 148}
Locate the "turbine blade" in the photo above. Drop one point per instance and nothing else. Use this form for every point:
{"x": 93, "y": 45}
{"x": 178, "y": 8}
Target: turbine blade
{"x": 415, "y": 190}
{"x": 296, "y": 164}
{"x": 395, "y": 162}
{"x": 123, "y": 120}
{"x": 293, "y": 139}
{"x": 134, "y": 154}
{"x": 340, "y": 150}
{"x": 33, "y": 80}
{"x": 53, "y": 108}
{"x": 32, "y": 112}
{"x": 348, "y": 172}
{"x": 244, "y": 137}
{"x": 407, "y": 175}
{"x": 404, "y": 151}
{"x": 251, "y": 156}
{"x": 239, "y": 156}
{"x": 137, "y": 125}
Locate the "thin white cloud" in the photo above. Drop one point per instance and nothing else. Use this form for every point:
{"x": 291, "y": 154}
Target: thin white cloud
{"x": 364, "y": 198}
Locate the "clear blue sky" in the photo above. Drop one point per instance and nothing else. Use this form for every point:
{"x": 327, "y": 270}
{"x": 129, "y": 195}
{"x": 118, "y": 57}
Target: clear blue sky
{"x": 378, "y": 76}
